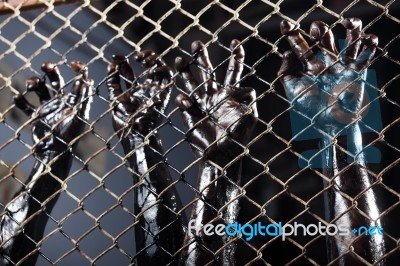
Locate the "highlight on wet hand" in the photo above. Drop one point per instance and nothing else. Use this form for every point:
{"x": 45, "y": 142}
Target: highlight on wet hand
{"x": 141, "y": 104}
{"x": 328, "y": 87}
{"x": 215, "y": 112}
{"x": 52, "y": 95}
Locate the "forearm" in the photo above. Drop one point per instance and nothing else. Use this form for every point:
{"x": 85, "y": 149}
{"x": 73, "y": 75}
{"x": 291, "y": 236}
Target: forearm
{"x": 350, "y": 193}
{"x": 156, "y": 202}
{"x": 29, "y": 211}
{"x": 218, "y": 195}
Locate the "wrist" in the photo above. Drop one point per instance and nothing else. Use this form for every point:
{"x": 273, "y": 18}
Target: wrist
{"x": 347, "y": 147}
{"x": 139, "y": 148}
{"x": 136, "y": 140}
{"x": 48, "y": 155}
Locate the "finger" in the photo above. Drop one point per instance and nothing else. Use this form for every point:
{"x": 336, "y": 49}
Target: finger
{"x": 39, "y": 87}
{"x": 184, "y": 71}
{"x": 125, "y": 70}
{"x": 235, "y": 67}
{"x": 289, "y": 68}
{"x": 321, "y": 33}
{"x": 299, "y": 44}
{"x": 353, "y": 40}
{"x": 82, "y": 88}
{"x": 81, "y": 71}
{"x": 370, "y": 42}
{"x": 113, "y": 84}
{"x": 23, "y": 104}
{"x": 188, "y": 108}
{"x": 148, "y": 58}
{"x": 206, "y": 70}
{"x": 53, "y": 73}
{"x": 183, "y": 102}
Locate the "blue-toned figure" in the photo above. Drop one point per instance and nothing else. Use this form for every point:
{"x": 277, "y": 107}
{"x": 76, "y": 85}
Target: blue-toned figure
{"x": 369, "y": 121}
{"x": 329, "y": 93}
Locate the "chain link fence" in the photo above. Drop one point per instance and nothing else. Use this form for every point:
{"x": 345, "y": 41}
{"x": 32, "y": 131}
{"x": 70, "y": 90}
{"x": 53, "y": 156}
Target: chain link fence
{"x": 93, "y": 221}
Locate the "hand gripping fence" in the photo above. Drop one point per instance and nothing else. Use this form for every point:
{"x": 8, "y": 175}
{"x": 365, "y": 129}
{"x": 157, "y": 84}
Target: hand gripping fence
{"x": 130, "y": 130}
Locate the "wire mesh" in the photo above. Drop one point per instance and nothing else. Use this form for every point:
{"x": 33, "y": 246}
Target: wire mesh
{"x": 93, "y": 221}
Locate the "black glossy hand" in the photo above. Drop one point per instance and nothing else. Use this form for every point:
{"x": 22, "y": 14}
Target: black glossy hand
{"x": 136, "y": 115}
{"x": 216, "y": 115}
{"x": 328, "y": 88}
{"x": 330, "y": 91}
{"x": 219, "y": 119}
{"x": 56, "y": 125}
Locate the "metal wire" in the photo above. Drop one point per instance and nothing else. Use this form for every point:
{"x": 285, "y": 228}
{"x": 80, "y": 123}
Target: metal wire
{"x": 93, "y": 220}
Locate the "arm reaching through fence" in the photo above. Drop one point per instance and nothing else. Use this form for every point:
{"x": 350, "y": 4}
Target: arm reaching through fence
{"x": 136, "y": 115}
{"x": 56, "y": 126}
{"x": 329, "y": 90}
{"x": 219, "y": 119}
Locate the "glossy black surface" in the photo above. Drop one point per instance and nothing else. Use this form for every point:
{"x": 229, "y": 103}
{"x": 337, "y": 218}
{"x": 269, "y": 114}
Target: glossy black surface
{"x": 219, "y": 119}
{"x": 55, "y": 127}
{"x": 135, "y": 117}
{"x": 328, "y": 89}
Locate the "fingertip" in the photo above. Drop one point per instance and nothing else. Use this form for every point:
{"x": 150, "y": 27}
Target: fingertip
{"x": 197, "y": 46}
{"x": 370, "y": 40}
{"x": 237, "y": 48}
{"x": 48, "y": 67}
{"x": 352, "y": 23}
{"x": 78, "y": 66}
{"x": 286, "y": 27}
{"x": 118, "y": 59}
{"x": 180, "y": 64}
{"x": 183, "y": 102}
{"x": 288, "y": 55}
{"x": 139, "y": 56}
{"x": 32, "y": 83}
{"x": 317, "y": 30}
{"x": 234, "y": 44}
